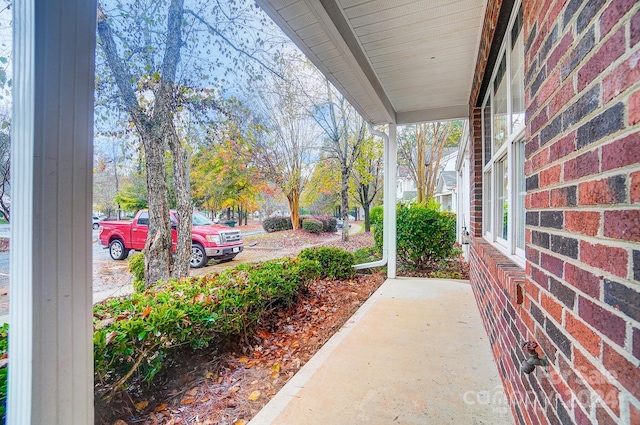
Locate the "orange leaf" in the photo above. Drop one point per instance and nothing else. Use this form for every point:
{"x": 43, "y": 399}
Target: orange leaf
{"x": 187, "y": 400}
{"x": 243, "y": 359}
{"x": 141, "y": 405}
{"x": 146, "y": 312}
{"x": 161, "y": 407}
{"x": 241, "y": 422}
{"x": 295, "y": 344}
{"x": 234, "y": 389}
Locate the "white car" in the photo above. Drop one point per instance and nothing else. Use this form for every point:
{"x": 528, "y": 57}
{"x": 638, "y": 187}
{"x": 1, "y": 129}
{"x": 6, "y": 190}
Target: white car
{"x": 96, "y": 222}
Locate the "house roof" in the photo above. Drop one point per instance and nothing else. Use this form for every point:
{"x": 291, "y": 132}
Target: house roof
{"x": 397, "y": 61}
{"x": 449, "y": 178}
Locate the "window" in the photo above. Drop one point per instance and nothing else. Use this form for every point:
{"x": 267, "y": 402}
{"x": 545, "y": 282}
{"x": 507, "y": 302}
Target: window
{"x": 143, "y": 219}
{"x": 503, "y": 146}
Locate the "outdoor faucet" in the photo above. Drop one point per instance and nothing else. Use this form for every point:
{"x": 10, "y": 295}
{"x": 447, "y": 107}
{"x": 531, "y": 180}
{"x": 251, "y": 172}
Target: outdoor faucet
{"x": 528, "y": 365}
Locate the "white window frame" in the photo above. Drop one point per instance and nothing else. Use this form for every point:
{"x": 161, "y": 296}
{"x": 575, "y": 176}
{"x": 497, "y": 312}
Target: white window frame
{"x": 493, "y": 213}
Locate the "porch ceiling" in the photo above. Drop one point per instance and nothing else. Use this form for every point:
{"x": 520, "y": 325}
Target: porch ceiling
{"x": 397, "y": 61}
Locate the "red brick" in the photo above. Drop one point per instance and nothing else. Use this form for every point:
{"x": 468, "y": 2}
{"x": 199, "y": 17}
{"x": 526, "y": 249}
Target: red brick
{"x": 581, "y": 417}
{"x": 627, "y": 373}
{"x": 604, "y": 320}
{"x": 608, "y": 258}
{"x": 583, "y": 280}
{"x": 562, "y": 97}
{"x": 584, "y": 335}
{"x": 621, "y": 78}
{"x": 603, "y": 417}
{"x": 622, "y": 152}
{"x": 613, "y": 13}
{"x": 583, "y": 165}
{"x": 551, "y": 84}
{"x": 623, "y": 225}
{"x": 560, "y": 50}
{"x": 577, "y": 385}
{"x": 611, "y": 50}
{"x": 634, "y": 414}
{"x": 634, "y": 189}
{"x": 635, "y": 29}
{"x": 552, "y": 307}
{"x": 606, "y": 191}
{"x": 550, "y": 176}
{"x": 584, "y": 222}
{"x": 562, "y": 147}
{"x": 539, "y": 121}
{"x": 539, "y": 160}
{"x": 540, "y": 199}
{"x": 634, "y": 108}
{"x": 551, "y": 264}
{"x": 532, "y": 289}
{"x": 608, "y": 393}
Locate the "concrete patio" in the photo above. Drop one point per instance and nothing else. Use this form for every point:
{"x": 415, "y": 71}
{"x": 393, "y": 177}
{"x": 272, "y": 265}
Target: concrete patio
{"x": 414, "y": 353}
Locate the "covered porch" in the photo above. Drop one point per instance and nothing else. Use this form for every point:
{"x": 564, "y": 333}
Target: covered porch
{"x": 397, "y": 62}
{"x": 415, "y": 353}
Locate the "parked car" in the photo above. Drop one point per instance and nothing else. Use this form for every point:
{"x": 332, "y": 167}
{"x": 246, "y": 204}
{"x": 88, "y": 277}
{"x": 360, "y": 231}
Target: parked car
{"x": 96, "y": 222}
{"x": 209, "y": 240}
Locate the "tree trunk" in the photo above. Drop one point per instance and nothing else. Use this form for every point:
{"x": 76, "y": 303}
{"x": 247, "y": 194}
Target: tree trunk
{"x": 294, "y": 205}
{"x": 344, "y": 192}
{"x": 184, "y": 208}
{"x": 367, "y": 223}
{"x": 157, "y": 259}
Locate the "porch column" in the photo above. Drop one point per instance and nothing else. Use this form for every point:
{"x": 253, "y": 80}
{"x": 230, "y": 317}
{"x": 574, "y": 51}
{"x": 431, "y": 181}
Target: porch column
{"x": 50, "y": 349}
{"x": 390, "y": 202}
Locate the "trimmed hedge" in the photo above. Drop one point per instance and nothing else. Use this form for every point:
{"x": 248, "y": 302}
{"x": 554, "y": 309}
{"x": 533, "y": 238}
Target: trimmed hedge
{"x": 276, "y": 224}
{"x": 425, "y": 235}
{"x": 136, "y": 267}
{"x": 329, "y": 224}
{"x": 4, "y": 351}
{"x": 336, "y": 263}
{"x": 311, "y": 225}
{"x": 134, "y": 334}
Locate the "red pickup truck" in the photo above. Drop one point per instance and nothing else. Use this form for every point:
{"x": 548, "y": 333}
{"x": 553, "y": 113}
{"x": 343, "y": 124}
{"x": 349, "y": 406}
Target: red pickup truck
{"x": 209, "y": 240}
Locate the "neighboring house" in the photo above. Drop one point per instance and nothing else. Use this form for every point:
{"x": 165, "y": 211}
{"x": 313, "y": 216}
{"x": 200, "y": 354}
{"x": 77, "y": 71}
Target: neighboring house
{"x": 406, "y": 190}
{"x": 445, "y": 191}
{"x": 463, "y": 198}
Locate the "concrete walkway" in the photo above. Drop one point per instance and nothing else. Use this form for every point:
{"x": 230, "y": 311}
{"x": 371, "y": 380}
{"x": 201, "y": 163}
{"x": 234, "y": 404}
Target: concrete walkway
{"x": 415, "y": 353}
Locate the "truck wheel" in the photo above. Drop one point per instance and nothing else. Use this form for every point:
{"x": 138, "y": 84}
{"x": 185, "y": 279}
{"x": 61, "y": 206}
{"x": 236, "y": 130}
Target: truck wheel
{"x": 117, "y": 250}
{"x": 198, "y": 256}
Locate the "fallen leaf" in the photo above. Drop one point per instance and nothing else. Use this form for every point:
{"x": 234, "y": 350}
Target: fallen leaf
{"x": 254, "y": 396}
{"x": 209, "y": 375}
{"x": 240, "y": 422}
{"x": 141, "y": 405}
{"x": 199, "y": 298}
{"x": 187, "y": 400}
{"x": 295, "y": 344}
{"x": 161, "y": 407}
{"x": 192, "y": 392}
{"x": 243, "y": 359}
{"x": 234, "y": 389}
{"x": 204, "y": 400}
{"x": 146, "y": 312}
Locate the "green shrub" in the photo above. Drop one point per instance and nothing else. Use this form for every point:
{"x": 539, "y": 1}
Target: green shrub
{"x": 336, "y": 263}
{"x": 136, "y": 267}
{"x": 329, "y": 224}
{"x": 276, "y": 224}
{"x": 366, "y": 255}
{"x": 425, "y": 235}
{"x": 134, "y": 334}
{"x": 311, "y": 225}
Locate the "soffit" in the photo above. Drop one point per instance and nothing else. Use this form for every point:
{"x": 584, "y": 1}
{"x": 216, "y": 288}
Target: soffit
{"x": 397, "y": 61}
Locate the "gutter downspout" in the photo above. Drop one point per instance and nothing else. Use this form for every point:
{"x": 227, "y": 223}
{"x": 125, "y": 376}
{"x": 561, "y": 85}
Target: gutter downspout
{"x": 388, "y": 236}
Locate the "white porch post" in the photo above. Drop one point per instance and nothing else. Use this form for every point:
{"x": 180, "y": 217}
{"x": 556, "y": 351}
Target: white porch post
{"x": 50, "y": 349}
{"x": 391, "y": 151}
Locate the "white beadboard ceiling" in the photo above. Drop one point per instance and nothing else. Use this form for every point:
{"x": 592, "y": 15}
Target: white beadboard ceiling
{"x": 397, "y": 61}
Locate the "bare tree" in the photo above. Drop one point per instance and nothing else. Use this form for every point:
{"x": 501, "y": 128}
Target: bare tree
{"x": 345, "y": 132}
{"x": 5, "y": 168}
{"x": 285, "y": 151}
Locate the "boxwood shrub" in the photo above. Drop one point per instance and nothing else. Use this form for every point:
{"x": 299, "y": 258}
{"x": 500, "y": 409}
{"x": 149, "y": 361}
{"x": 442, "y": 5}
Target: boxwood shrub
{"x": 133, "y": 335}
{"x": 329, "y": 224}
{"x": 311, "y": 225}
{"x": 336, "y": 263}
{"x": 276, "y": 224}
{"x": 425, "y": 235}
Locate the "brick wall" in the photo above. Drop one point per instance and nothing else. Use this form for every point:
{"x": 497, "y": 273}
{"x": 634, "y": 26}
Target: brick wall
{"x": 581, "y": 284}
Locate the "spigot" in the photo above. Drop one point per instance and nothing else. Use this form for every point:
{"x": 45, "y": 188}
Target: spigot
{"x": 533, "y": 360}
